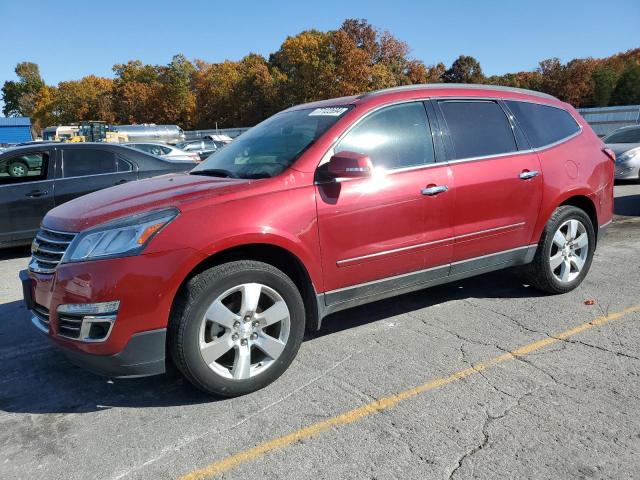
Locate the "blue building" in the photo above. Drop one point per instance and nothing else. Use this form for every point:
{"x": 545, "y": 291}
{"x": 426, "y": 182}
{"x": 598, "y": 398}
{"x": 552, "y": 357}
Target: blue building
{"x": 15, "y": 129}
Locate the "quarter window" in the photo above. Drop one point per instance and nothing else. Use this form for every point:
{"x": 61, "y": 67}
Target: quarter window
{"x": 478, "y": 128}
{"x": 394, "y": 137}
{"x": 80, "y": 162}
{"x": 543, "y": 124}
{"x": 26, "y": 167}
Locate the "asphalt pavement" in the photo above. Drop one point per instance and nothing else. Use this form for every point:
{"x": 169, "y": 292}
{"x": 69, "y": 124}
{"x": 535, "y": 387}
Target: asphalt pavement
{"x": 482, "y": 378}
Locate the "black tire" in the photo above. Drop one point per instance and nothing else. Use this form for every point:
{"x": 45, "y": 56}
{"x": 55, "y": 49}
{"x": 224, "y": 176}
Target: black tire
{"x": 539, "y": 273}
{"x": 18, "y": 169}
{"x": 189, "y": 310}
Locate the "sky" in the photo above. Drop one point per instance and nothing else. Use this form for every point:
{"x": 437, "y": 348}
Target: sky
{"x": 69, "y": 40}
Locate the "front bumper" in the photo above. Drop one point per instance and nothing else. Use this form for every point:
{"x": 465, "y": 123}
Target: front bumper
{"x": 145, "y": 286}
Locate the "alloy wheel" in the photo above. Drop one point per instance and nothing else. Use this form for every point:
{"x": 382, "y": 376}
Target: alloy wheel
{"x": 569, "y": 251}
{"x": 244, "y": 331}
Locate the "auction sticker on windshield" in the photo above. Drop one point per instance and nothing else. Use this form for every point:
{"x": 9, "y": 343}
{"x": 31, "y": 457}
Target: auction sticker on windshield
{"x": 329, "y": 111}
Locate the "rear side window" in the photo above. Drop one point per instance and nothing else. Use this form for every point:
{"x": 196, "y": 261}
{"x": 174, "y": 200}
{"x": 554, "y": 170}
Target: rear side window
{"x": 543, "y": 124}
{"x": 123, "y": 165}
{"x": 86, "y": 161}
{"x": 478, "y": 129}
{"x": 25, "y": 167}
{"x": 394, "y": 137}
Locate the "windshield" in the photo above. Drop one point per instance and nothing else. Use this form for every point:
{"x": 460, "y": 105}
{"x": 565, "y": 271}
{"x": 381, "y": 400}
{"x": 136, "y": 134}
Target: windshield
{"x": 628, "y": 135}
{"x": 272, "y": 146}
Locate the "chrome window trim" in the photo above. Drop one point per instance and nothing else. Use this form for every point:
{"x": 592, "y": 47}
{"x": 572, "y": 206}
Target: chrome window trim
{"x": 93, "y": 175}
{"x": 434, "y": 242}
{"x": 330, "y": 151}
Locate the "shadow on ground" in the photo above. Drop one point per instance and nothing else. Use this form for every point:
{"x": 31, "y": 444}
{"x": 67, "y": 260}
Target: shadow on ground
{"x": 629, "y": 205}
{"x": 36, "y": 378}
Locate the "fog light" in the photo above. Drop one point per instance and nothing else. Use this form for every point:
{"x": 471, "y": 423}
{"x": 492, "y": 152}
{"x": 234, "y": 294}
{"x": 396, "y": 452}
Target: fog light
{"x": 89, "y": 308}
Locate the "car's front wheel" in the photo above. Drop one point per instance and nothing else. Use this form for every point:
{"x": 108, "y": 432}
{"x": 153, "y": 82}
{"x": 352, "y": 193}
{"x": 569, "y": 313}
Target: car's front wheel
{"x": 18, "y": 169}
{"x": 564, "y": 253}
{"x": 236, "y": 327}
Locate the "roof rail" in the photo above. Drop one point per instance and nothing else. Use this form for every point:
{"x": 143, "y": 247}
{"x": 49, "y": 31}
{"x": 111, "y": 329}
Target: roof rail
{"x": 469, "y": 86}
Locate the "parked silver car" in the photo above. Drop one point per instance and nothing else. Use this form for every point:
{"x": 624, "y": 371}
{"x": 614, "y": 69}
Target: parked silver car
{"x": 165, "y": 151}
{"x": 625, "y": 142}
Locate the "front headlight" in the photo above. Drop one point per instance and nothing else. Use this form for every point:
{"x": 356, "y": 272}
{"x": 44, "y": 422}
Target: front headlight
{"x": 122, "y": 237}
{"x": 629, "y": 155}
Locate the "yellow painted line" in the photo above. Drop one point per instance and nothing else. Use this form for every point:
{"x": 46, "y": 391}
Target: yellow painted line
{"x": 385, "y": 403}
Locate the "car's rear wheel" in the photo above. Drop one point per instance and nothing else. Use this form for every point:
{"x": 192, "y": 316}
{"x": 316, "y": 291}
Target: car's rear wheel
{"x": 18, "y": 169}
{"x": 236, "y": 327}
{"x": 565, "y": 251}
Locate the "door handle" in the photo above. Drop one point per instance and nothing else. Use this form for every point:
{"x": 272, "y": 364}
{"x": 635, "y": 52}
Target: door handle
{"x": 120, "y": 182}
{"x": 526, "y": 175}
{"x": 434, "y": 190}
{"x": 36, "y": 193}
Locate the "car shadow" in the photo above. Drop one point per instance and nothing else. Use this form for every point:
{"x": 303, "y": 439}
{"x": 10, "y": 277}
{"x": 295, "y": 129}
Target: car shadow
{"x": 628, "y": 205}
{"x": 15, "y": 252}
{"x": 36, "y": 378}
{"x": 501, "y": 284}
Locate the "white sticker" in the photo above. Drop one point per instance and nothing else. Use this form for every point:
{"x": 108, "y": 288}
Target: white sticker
{"x": 329, "y": 111}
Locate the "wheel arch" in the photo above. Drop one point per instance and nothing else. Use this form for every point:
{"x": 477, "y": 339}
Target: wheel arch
{"x": 585, "y": 204}
{"x": 274, "y": 255}
{"x": 581, "y": 200}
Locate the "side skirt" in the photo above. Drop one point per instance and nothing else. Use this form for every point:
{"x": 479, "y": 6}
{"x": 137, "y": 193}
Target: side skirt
{"x": 343, "y": 298}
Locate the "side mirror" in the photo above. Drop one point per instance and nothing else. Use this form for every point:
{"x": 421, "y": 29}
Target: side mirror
{"x": 350, "y": 165}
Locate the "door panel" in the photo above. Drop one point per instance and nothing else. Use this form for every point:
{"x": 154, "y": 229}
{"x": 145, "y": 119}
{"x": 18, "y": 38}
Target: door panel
{"x": 496, "y": 209}
{"x": 384, "y": 226}
{"x": 376, "y": 228}
{"x": 24, "y": 201}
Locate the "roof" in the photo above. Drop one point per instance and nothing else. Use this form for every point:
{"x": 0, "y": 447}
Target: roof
{"x": 461, "y": 86}
{"x": 365, "y": 97}
{"x": 15, "y": 122}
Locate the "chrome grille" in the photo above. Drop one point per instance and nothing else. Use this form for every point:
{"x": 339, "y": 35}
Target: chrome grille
{"x": 48, "y": 248}
{"x": 41, "y": 314}
{"x": 69, "y": 325}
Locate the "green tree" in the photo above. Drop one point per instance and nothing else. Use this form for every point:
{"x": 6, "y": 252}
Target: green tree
{"x": 604, "y": 80}
{"x": 20, "y": 97}
{"x": 464, "y": 69}
{"x": 627, "y": 91}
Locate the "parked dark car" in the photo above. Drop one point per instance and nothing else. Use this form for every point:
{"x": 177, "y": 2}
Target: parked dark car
{"x": 36, "y": 178}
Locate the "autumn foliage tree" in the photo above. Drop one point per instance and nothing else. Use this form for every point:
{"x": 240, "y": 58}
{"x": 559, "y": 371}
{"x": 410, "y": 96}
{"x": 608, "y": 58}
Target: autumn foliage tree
{"x": 312, "y": 65}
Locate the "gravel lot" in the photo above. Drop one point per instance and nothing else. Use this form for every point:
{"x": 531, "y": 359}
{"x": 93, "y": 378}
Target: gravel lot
{"x": 567, "y": 410}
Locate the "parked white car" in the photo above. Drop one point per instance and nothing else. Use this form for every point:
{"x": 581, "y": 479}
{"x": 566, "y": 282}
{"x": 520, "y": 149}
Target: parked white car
{"x": 165, "y": 151}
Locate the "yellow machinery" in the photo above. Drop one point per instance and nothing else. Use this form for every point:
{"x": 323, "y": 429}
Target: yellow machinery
{"x": 97, "y": 131}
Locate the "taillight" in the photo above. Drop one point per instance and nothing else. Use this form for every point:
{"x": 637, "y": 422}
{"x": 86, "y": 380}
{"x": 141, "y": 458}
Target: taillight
{"x": 610, "y": 153}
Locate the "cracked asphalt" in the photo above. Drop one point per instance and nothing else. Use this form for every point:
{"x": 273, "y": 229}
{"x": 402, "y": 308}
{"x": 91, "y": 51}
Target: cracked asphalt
{"x": 568, "y": 410}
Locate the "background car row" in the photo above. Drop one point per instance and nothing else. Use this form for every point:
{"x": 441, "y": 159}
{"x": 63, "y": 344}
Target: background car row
{"x": 35, "y": 178}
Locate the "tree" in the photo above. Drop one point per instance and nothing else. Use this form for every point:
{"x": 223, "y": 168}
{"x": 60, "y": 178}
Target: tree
{"x": 604, "y": 80}
{"x": 464, "y": 69}
{"x": 19, "y": 97}
{"x": 627, "y": 91}
{"x": 89, "y": 98}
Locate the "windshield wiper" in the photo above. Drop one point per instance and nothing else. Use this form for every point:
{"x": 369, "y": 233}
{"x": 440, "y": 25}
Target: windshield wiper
{"x": 215, "y": 172}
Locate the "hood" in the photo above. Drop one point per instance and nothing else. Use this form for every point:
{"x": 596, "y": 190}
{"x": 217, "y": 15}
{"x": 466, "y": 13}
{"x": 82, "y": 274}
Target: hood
{"x": 178, "y": 190}
{"x": 620, "y": 148}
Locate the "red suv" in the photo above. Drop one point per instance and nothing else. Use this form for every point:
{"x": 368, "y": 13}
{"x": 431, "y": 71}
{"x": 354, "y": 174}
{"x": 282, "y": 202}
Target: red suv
{"x": 321, "y": 207}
